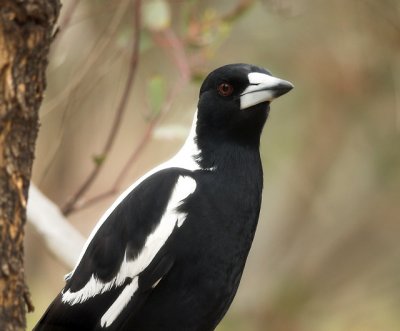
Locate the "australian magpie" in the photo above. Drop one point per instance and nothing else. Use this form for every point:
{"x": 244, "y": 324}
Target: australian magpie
{"x": 169, "y": 253}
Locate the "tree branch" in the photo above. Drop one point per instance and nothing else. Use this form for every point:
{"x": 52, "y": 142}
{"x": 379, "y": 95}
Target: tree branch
{"x": 61, "y": 238}
{"x": 69, "y": 12}
{"x": 26, "y": 32}
{"x": 69, "y": 206}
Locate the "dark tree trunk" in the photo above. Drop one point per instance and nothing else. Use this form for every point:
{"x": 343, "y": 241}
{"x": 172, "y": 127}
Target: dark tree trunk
{"x": 26, "y": 32}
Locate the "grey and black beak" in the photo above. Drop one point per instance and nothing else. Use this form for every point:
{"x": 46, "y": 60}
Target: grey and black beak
{"x": 263, "y": 88}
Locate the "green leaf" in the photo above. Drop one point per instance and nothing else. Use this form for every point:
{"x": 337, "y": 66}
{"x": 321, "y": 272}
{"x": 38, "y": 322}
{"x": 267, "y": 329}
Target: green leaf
{"x": 98, "y": 159}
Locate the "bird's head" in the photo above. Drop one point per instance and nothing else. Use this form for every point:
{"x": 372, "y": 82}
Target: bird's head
{"x": 234, "y": 101}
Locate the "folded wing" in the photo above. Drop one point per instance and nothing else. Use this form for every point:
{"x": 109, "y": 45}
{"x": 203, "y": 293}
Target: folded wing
{"x": 127, "y": 255}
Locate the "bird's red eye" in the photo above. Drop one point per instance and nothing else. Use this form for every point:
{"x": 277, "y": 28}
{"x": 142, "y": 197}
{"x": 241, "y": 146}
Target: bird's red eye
{"x": 225, "y": 89}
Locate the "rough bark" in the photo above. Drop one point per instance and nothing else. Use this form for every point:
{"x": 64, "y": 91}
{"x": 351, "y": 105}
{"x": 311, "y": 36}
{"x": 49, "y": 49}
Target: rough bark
{"x": 26, "y": 32}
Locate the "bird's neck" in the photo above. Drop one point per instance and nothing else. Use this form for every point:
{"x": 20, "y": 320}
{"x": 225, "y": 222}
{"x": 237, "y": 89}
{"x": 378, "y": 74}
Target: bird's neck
{"x": 227, "y": 161}
{"x": 221, "y": 149}
{"x": 207, "y": 150}
{"x": 237, "y": 163}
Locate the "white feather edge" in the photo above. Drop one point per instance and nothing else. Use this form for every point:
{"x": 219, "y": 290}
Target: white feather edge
{"x": 154, "y": 242}
{"x": 185, "y": 158}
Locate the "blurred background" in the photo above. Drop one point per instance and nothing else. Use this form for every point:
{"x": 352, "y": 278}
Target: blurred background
{"x": 120, "y": 100}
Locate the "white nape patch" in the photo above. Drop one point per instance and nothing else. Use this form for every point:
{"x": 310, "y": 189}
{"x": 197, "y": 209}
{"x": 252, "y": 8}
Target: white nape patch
{"x": 119, "y": 304}
{"x": 188, "y": 157}
{"x": 184, "y": 186}
{"x": 261, "y": 89}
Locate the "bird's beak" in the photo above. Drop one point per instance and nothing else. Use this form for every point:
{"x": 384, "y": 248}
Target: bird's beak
{"x": 262, "y": 88}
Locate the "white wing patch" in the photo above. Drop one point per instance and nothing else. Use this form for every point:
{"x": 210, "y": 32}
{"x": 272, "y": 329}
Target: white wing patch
{"x": 119, "y": 304}
{"x": 184, "y": 186}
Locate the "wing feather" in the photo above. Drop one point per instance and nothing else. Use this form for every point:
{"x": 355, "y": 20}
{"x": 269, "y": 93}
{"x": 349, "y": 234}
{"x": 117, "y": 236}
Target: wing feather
{"x": 130, "y": 239}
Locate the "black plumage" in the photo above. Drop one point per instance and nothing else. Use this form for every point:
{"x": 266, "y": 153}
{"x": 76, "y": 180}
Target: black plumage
{"x": 169, "y": 254}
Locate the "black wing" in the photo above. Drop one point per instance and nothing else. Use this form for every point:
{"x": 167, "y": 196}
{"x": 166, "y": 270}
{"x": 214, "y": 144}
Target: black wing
{"x": 107, "y": 276}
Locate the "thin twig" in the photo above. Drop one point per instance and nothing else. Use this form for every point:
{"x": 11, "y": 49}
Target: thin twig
{"x": 174, "y": 47}
{"x": 241, "y": 7}
{"x": 69, "y": 206}
{"x": 396, "y": 91}
{"x": 199, "y": 26}
{"x": 59, "y": 139}
{"x": 146, "y": 138}
{"x": 94, "y": 13}
{"x": 96, "y": 53}
{"x": 384, "y": 12}
{"x": 69, "y": 12}
{"x": 132, "y": 159}
{"x": 28, "y": 300}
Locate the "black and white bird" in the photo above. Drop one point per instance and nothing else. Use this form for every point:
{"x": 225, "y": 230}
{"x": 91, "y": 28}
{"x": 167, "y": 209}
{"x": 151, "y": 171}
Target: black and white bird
{"x": 169, "y": 253}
